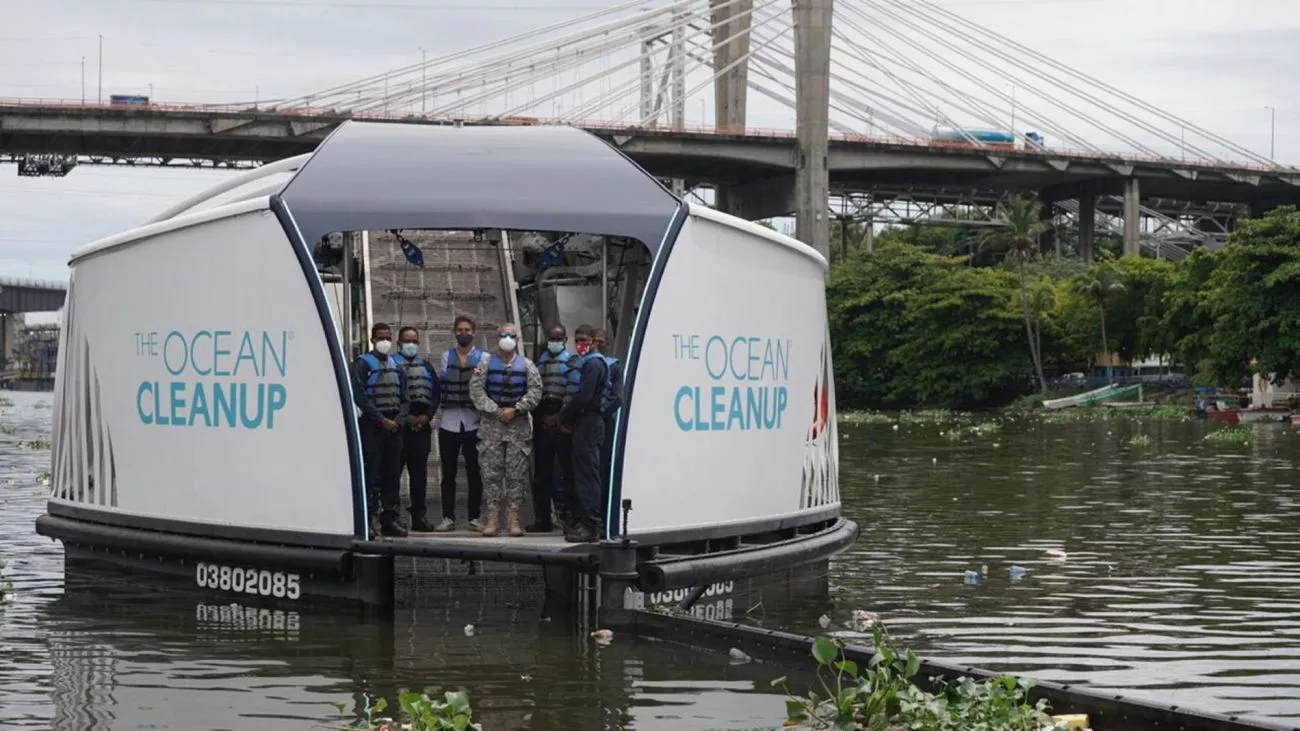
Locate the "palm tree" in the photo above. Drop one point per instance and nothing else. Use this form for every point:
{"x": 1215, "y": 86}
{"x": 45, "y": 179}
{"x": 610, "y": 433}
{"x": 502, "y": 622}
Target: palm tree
{"x": 1018, "y": 238}
{"x": 1102, "y": 288}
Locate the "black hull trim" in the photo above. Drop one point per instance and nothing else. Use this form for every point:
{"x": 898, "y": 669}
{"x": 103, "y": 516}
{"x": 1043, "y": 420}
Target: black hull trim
{"x": 171, "y": 545}
{"x": 1107, "y": 711}
{"x": 746, "y": 561}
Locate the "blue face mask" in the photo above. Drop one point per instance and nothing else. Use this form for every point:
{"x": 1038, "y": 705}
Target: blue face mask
{"x": 556, "y": 347}
{"x": 410, "y": 350}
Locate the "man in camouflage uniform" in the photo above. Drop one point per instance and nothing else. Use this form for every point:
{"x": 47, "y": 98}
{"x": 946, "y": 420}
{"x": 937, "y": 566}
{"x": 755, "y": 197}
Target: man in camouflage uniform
{"x": 505, "y": 388}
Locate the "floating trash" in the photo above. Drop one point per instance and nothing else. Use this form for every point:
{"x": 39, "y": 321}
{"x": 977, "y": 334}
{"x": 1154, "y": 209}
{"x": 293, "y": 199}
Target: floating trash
{"x": 738, "y": 655}
{"x": 1018, "y": 572}
{"x": 602, "y": 636}
{"x": 823, "y": 621}
{"x": 973, "y": 578}
{"x": 469, "y": 630}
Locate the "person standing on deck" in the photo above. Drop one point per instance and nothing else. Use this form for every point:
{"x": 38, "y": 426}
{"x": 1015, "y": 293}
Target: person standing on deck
{"x": 608, "y": 409}
{"x": 588, "y": 387}
{"x": 551, "y": 364}
{"x": 379, "y": 391}
{"x": 458, "y": 430}
{"x": 422, "y": 393}
{"x": 505, "y": 388}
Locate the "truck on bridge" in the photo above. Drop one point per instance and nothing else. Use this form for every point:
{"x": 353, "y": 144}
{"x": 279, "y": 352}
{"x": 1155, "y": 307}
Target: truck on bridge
{"x": 997, "y": 139}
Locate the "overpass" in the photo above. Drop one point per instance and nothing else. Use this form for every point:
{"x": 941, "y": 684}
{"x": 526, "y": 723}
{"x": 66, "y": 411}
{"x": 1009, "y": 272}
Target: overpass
{"x": 861, "y": 136}
{"x": 30, "y": 295}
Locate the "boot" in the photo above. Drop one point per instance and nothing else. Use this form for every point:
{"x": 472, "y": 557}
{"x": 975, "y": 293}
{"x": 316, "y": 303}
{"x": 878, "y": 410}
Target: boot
{"x": 492, "y": 521}
{"x": 512, "y": 521}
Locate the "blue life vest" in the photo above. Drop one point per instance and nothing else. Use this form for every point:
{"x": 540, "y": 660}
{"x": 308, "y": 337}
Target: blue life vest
{"x": 573, "y": 378}
{"x": 506, "y": 384}
{"x": 613, "y": 396}
{"x": 455, "y": 379}
{"x": 553, "y": 371}
{"x": 419, "y": 380}
{"x": 384, "y": 383}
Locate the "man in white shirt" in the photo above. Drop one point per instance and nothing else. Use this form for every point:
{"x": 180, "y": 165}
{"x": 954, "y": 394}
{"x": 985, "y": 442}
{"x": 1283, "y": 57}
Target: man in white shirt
{"x": 458, "y": 430}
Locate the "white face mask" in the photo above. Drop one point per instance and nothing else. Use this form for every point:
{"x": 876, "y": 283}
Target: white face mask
{"x": 506, "y": 344}
{"x": 383, "y": 346}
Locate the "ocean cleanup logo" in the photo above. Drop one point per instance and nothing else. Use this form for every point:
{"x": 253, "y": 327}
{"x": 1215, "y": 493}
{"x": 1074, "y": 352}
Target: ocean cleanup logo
{"x": 228, "y": 379}
{"x": 747, "y": 382}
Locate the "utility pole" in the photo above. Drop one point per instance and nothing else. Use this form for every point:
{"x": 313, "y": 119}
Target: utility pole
{"x": 101, "y": 68}
{"x": 424, "y": 89}
{"x": 1272, "y": 134}
{"x": 83, "y": 79}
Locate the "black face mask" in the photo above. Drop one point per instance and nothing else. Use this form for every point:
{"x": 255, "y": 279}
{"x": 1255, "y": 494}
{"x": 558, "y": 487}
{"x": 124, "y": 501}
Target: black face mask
{"x": 464, "y": 339}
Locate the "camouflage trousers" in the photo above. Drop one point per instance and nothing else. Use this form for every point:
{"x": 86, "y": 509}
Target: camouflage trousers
{"x": 505, "y": 453}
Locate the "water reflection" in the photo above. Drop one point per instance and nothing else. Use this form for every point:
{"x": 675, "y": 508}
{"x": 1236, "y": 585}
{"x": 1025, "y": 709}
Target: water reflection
{"x": 1180, "y": 575}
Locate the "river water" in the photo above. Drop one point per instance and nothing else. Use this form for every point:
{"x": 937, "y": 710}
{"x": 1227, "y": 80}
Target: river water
{"x": 1179, "y": 580}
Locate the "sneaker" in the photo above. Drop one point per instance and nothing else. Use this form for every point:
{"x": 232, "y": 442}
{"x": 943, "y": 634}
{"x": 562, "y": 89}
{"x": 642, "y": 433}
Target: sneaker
{"x": 421, "y": 525}
{"x": 476, "y": 525}
{"x": 580, "y": 534}
{"x": 392, "y": 529}
{"x": 446, "y": 526}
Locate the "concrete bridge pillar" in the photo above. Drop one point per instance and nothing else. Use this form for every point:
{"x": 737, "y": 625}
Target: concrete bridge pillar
{"x": 1132, "y": 218}
{"x": 731, "y": 87}
{"x": 812, "y": 63}
{"x": 1087, "y": 227}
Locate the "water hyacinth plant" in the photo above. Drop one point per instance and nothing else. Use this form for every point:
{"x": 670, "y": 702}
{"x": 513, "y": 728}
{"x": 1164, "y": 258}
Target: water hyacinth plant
{"x": 882, "y": 697}
{"x": 420, "y": 712}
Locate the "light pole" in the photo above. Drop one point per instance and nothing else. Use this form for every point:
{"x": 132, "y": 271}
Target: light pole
{"x": 424, "y": 59}
{"x": 1272, "y": 134}
{"x": 101, "y": 68}
{"x": 83, "y": 79}
{"x": 151, "y": 92}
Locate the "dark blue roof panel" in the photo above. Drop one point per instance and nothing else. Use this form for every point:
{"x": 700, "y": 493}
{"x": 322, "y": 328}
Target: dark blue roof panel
{"x": 370, "y": 176}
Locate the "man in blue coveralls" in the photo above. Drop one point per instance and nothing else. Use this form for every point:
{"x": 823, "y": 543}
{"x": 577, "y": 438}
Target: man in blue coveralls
{"x": 581, "y": 413}
{"x": 379, "y": 391}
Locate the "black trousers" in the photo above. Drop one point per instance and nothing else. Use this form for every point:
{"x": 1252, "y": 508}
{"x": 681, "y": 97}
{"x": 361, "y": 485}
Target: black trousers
{"x": 588, "y": 439}
{"x": 382, "y": 452}
{"x": 416, "y": 446}
{"x": 546, "y": 446}
{"x": 451, "y": 445}
{"x": 606, "y": 454}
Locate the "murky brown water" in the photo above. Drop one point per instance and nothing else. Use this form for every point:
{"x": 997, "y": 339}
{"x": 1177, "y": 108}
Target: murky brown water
{"x": 1181, "y": 579}
{"x": 1181, "y": 575}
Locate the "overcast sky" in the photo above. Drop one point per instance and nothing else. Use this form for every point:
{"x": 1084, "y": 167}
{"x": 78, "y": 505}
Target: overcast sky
{"x": 1214, "y": 62}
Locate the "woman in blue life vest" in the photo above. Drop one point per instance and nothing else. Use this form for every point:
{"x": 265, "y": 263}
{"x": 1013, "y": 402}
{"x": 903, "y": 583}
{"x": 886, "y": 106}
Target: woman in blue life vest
{"x": 423, "y": 395}
{"x": 588, "y": 391}
{"x": 505, "y": 388}
{"x": 458, "y": 428}
{"x": 379, "y": 391}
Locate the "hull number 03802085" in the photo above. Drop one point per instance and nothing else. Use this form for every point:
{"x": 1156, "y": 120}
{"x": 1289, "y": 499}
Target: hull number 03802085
{"x": 260, "y": 582}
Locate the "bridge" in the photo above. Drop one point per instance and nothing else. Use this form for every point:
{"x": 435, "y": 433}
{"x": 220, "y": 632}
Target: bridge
{"x": 866, "y": 81}
{"x": 30, "y": 295}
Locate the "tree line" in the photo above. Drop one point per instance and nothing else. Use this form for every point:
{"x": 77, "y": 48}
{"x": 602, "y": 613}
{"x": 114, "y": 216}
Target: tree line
{"x": 959, "y": 317}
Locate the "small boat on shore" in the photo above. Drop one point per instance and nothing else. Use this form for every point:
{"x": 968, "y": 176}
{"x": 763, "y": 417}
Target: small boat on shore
{"x": 1091, "y": 398}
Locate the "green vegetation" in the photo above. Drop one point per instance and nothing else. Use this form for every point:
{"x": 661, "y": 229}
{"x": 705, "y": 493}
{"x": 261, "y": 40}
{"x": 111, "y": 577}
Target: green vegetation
{"x": 36, "y": 444}
{"x": 5, "y": 403}
{"x": 7, "y": 430}
{"x": 420, "y": 712}
{"x": 6, "y": 588}
{"x": 1231, "y": 435}
{"x": 939, "y": 317}
{"x": 882, "y": 697}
